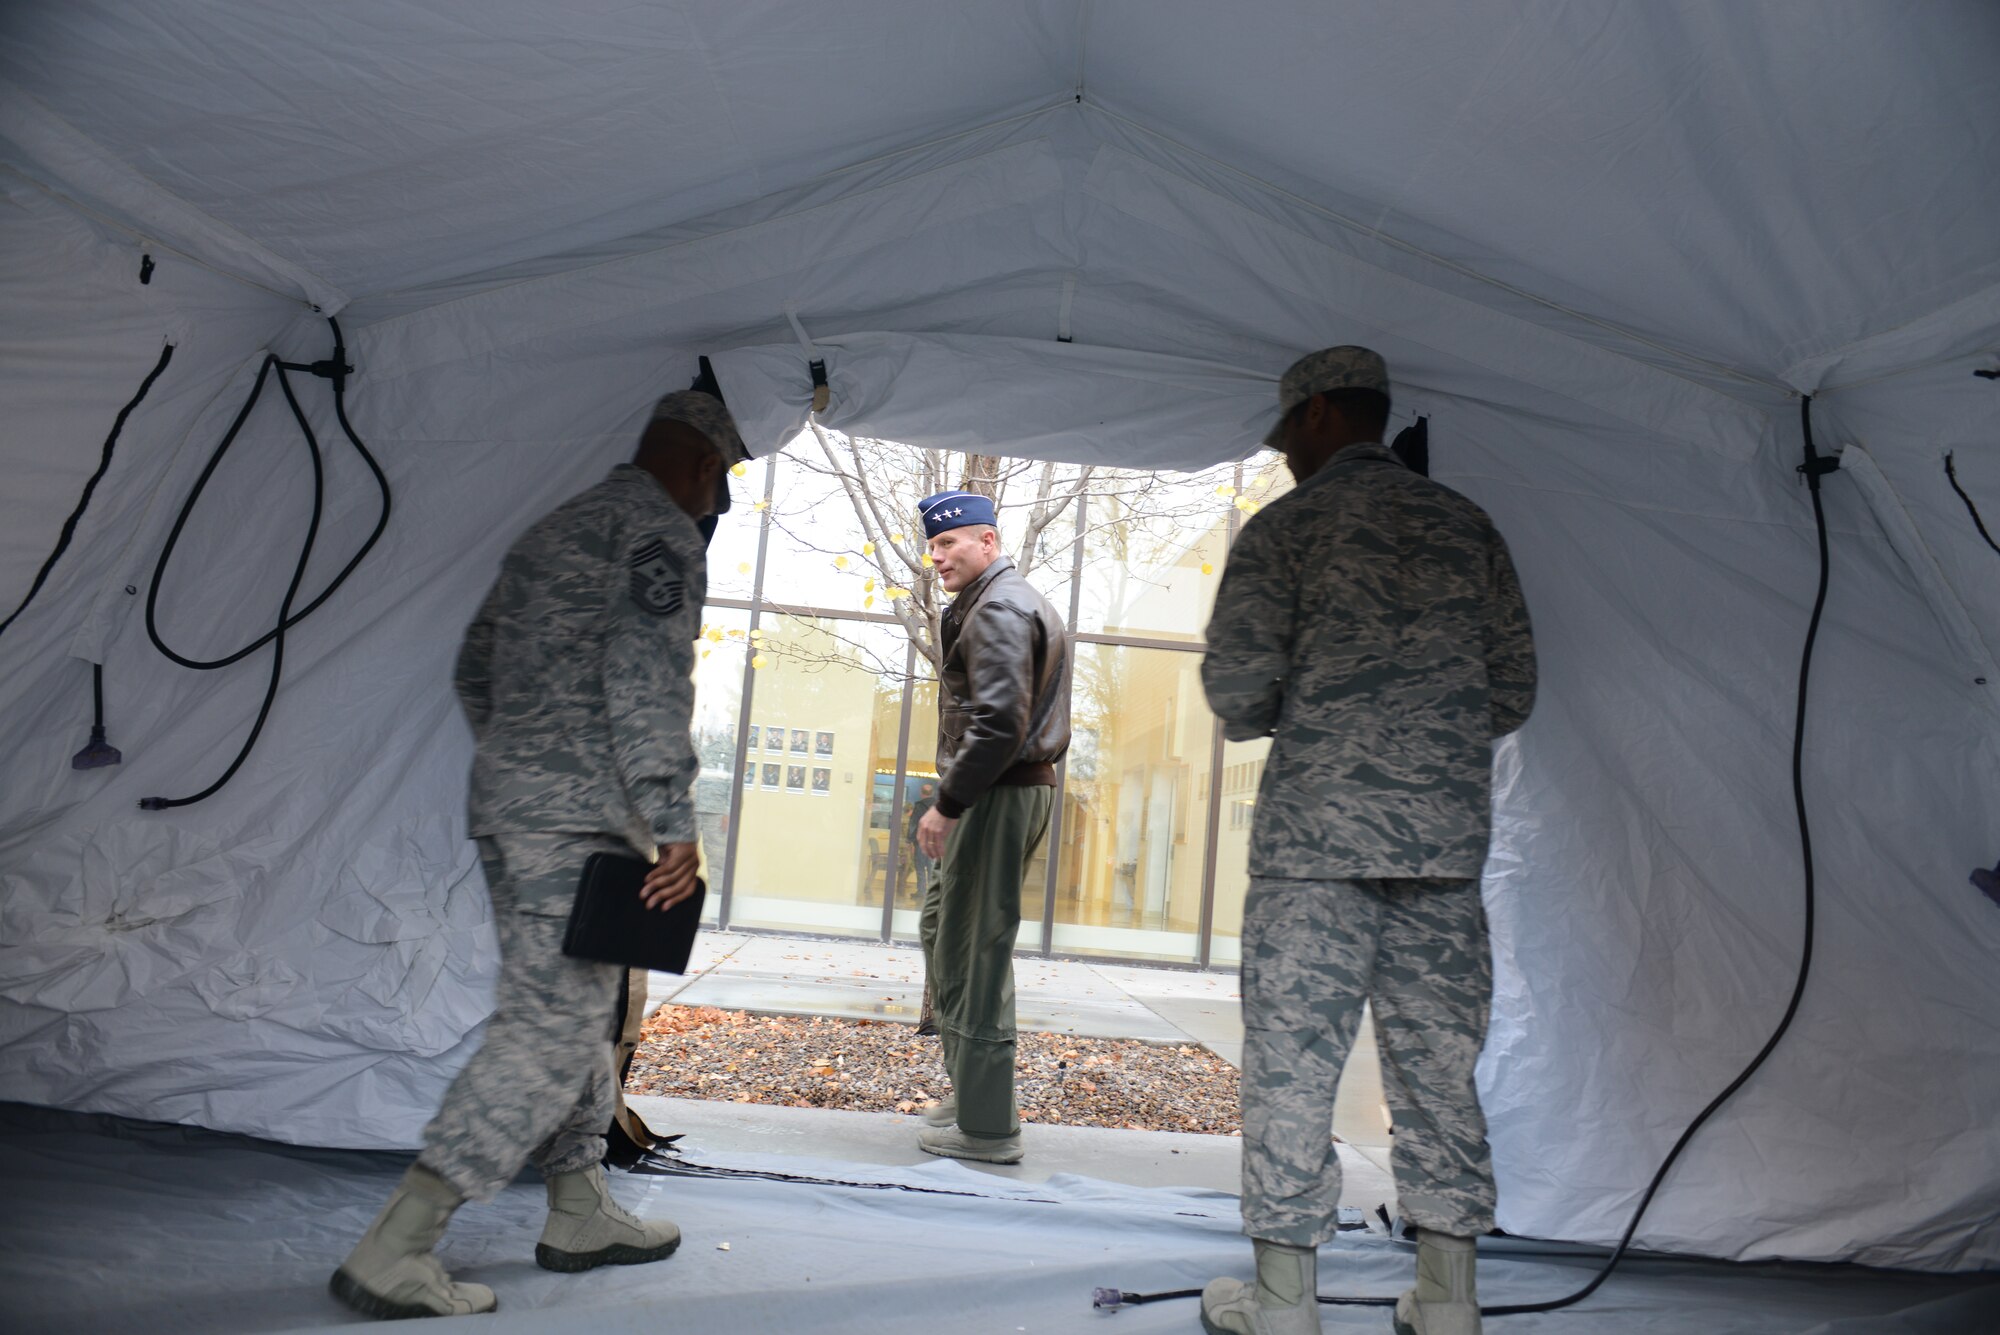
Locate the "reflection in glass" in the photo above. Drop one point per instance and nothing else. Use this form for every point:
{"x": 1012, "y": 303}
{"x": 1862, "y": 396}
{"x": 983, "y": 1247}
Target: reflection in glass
{"x": 809, "y": 857}
{"x": 1134, "y": 822}
{"x": 920, "y": 783}
{"x": 1242, "y": 772}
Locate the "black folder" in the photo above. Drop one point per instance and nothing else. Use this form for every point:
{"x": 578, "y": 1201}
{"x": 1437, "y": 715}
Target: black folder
{"x": 610, "y": 923}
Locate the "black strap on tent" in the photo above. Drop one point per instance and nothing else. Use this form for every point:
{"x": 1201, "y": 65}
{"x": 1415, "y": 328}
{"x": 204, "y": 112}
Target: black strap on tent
{"x": 337, "y": 370}
{"x": 83, "y": 502}
{"x": 1814, "y": 468}
{"x": 1951, "y": 472}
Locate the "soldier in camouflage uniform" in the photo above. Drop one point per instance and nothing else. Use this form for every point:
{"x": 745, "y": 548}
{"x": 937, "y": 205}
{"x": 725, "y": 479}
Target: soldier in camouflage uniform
{"x": 1370, "y": 624}
{"x": 575, "y": 677}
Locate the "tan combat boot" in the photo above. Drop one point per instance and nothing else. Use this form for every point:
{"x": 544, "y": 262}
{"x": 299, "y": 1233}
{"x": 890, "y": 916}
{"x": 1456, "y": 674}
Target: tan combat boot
{"x": 1446, "y": 1299}
{"x": 942, "y": 1113}
{"x": 1283, "y": 1301}
{"x": 391, "y": 1273}
{"x": 950, "y": 1142}
{"x": 588, "y": 1227}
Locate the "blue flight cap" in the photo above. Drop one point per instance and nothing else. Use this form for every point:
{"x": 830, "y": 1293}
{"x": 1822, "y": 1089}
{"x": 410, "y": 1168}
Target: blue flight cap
{"x": 955, "y": 509}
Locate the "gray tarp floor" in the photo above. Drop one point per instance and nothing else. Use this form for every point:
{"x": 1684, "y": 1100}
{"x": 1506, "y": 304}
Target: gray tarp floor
{"x": 115, "y": 1226}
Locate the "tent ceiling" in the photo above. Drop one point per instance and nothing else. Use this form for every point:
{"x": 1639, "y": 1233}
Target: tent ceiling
{"x": 1723, "y": 179}
{"x": 384, "y": 144}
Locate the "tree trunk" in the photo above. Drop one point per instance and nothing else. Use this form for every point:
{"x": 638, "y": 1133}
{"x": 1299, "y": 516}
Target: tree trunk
{"x": 982, "y": 476}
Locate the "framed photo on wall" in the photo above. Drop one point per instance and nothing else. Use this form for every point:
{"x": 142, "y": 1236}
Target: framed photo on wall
{"x": 750, "y": 774}
{"x": 823, "y": 745}
{"x": 801, "y": 741}
{"x": 774, "y": 741}
{"x": 795, "y": 778}
{"x": 822, "y": 780}
{"x": 771, "y": 776}
{"x": 755, "y": 737}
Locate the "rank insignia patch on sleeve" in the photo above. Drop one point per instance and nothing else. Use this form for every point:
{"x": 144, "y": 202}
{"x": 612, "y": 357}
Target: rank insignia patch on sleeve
{"x": 656, "y": 581}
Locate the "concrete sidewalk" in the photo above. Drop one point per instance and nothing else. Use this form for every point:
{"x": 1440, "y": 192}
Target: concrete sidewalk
{"x": 866, "y": 980}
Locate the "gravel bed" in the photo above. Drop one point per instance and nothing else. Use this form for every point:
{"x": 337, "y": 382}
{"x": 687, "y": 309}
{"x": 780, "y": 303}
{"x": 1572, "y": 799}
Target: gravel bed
{"x": 701, "y": 1052}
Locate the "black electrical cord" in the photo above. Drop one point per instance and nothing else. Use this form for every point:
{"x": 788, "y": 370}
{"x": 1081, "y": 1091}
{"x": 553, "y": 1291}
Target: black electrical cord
{"x": 1813, "y": 468}
{"x": 336, "y": 370}
{"x": 1951, "y": 473}
{"x": 83, "y": 503}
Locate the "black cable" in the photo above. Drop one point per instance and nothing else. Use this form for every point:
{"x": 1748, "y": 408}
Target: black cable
{"x": 1813, "y": 468}
{"x": 83, "y": 503}
{"x": 1951, "y": 472}
{"x": 337, "y": 371}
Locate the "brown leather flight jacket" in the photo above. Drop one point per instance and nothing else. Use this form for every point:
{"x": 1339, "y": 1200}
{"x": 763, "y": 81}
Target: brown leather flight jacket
{"x": 1003, "y": 691}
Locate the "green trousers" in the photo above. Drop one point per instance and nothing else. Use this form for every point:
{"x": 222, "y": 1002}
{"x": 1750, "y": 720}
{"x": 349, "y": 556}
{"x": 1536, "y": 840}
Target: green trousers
{"x": 971, "y": 915}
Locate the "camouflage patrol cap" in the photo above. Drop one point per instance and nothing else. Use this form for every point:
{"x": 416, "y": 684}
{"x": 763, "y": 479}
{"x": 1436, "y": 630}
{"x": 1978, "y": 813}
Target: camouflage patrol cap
{"x": 706, "y": 414}
{"x": 710, "y": 416}
{"x": 1344, "y": 367}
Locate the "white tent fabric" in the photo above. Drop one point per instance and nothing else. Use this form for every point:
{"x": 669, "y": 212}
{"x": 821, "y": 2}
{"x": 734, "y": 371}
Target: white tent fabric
{"x": 1602, "y": 247}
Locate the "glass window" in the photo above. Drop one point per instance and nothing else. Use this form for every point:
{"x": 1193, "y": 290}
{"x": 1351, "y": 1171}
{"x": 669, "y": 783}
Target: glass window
{"x": 1135, "y": 818}
{"x": 1038, "y": 525}
{"x": 1242, "y": 772}
{"x": 1265, "y": 478}
{"x": 718, "y": 706}
{"x": 828, "y": 698}
{"x": 844, "y": 528}
{"x": 920, "y": 778}
{"x": 732, "y": 552}
{"x": 1153, "y": 551}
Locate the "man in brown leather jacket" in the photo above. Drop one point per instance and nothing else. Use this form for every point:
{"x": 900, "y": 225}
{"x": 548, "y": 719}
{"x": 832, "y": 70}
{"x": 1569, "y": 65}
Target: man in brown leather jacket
{"x": 1003, "y": 724}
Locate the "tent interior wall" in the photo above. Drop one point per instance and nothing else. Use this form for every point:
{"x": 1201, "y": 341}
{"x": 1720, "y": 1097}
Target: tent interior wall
{"x": 1604, "y": 249}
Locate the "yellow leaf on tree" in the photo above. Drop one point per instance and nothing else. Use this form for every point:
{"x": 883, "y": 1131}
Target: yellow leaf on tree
{"x": 928, "y": 563}
{"x": 740, "y": 470}
{"x": 735, "y": 634}
{"x": 757, "y": 661}
{"x": 761, "y": 505}
{"x": 898, "y": 593}
{"x": 840, "y": 563}
{"x": 742, "y": 567}
{"x": 895, "y": 537}
{"x": 1225, "y": 490}
{"x": 1207, "y": 568}
{"x": 868, "y": 549}
{"x": 868, "y": 585}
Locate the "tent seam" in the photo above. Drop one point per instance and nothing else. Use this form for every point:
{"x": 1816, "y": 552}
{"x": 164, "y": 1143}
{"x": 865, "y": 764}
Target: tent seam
{"x": 150, "y": 239}
{"x": 290, "y": 268}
